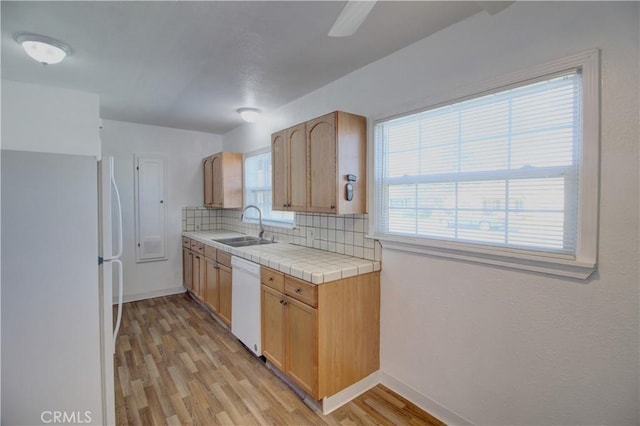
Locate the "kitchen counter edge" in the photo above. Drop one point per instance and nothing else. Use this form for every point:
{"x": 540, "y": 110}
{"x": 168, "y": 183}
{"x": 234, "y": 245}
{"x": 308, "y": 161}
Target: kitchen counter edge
{"x": 278, "y": 256}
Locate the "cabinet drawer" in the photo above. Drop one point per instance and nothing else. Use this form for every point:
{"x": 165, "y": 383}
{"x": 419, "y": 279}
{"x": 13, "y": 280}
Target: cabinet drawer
{"x": 186, "y": 242}
{"x": 301, "y": 290}
{"x": 224, "y": 258}
{"x": 210, "y": 252}
{"x": 199, "y": 247}
{"x": 272, "y": 278}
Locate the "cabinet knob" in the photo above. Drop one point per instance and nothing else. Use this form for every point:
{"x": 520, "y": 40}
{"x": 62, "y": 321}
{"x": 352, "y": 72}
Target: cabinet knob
{"x": 284, "y": 205}
{"x": 270, "y": 278}
{"x": 333, "y": 207}
{"x": 298, "y": 290}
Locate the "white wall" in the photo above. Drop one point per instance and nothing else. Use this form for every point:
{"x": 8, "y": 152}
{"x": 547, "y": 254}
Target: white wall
{"x": 46, "y": 119}
{"x": 50, "y": 326}
{"x": 184, "y": 151}
{"x": 498, "y": 346}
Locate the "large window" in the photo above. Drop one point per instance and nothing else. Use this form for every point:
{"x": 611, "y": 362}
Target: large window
{"x": 500, "y": 172}
{"x": 257, "y": 190}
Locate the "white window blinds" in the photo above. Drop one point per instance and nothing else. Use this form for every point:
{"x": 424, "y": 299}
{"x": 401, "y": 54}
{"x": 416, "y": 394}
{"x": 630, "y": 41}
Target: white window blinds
{"x": 257, "y": 170}
{"x": 498, "y": 169}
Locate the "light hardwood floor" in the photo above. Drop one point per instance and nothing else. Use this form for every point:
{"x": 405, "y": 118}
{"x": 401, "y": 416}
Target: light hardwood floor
{"x": 176, "y": 365}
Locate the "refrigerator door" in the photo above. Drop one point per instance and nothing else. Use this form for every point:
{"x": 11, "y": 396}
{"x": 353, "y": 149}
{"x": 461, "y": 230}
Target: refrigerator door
{"x": 111, "y": 229}
{"x": 110, "y": 225}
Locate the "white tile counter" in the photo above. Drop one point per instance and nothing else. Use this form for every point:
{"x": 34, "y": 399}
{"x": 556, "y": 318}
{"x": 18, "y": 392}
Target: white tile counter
{"x": 312, "y": 265}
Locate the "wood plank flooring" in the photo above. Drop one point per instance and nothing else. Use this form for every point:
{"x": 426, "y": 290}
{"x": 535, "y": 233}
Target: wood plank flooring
{"x": 176, "y": 365}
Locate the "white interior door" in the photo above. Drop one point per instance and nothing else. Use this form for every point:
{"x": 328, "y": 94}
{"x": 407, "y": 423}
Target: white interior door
{"x": 150, "y": 204}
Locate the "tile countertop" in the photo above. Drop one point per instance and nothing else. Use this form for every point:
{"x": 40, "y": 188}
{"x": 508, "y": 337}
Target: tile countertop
{"x": 312, "y": 265}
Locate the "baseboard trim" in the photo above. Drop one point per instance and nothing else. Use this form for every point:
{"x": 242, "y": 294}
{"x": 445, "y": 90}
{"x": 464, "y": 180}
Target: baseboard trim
{"x": 150, "y": 294}
{"x": 333, "y": 402}
{"x": 427, "y": 404}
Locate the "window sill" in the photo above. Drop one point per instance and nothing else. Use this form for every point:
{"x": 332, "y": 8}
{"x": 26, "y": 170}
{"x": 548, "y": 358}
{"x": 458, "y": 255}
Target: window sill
{"x": 551, "y": 265}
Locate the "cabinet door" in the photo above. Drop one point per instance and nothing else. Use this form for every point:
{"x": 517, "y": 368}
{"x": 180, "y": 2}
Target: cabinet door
{"x": 279, "y": 172}
{"x": 208, "y": 181}
{"x": 217, "y": 197}
{"x": 321, "y": 145}
{"x": 302, "y": 345}
{"x": 197, "y": 271}
{"x": 211, "y": 293}
{"x": 187, "y": 268}
{"x": 272, "y": 303}
{"x": 203, "y": 276}
{"x": 233, "y": 169}
{"x": 224, "y": 292}
{"x": 297, "y": 158}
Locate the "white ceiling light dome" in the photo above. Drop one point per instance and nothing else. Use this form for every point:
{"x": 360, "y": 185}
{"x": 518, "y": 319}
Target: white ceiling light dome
{"x": 43, "y": 49}
{"x": 249, "y": 114}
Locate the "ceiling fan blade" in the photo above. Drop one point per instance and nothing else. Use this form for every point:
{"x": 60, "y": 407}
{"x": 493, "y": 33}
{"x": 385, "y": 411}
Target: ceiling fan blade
{"x": 493, "y": 7}
{"x": 351, "y": 17}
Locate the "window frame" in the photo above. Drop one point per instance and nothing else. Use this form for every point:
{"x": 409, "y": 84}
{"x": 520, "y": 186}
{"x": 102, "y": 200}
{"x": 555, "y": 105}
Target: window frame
{"x": 584, "y": 262}
{"x": 265, "y": 221}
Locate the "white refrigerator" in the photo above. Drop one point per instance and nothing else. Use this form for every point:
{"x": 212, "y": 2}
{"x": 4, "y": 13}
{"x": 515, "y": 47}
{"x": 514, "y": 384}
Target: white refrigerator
{"x": 61, "y": 238}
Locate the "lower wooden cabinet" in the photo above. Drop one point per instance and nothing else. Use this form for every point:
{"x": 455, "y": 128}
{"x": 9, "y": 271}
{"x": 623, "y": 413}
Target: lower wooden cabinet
{"x": 206, "y": 273}
{"x": 301, "y": 345}
{"x": 199, "y": 275}
{"x": 187, "y": 268}
{"x": 193, "y": 267}
{"x": 212, "y": 298}
{"x": 224, "y": 293}
{"x": 273, "y": 339}
{"x": 326, "y": 348}
{"x": 289, "y": 337}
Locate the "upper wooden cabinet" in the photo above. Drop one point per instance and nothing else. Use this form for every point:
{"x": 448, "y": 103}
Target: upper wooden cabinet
{"x": 223, "y": 178}
{"x": 289, "y": 169}
{"x": 311, "y": 173}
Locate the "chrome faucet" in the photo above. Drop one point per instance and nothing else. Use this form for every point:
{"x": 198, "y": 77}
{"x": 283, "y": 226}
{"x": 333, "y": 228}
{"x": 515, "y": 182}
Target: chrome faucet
{"x": 259, "y": 217}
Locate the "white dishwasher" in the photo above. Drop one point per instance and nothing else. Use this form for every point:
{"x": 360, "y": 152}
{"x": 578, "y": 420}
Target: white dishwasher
{"x": 245, "y": 303}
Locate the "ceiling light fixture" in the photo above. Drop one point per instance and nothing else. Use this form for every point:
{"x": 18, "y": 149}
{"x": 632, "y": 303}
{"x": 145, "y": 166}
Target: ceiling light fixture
{"x": 43, "y": 49}
{"x": 249, "y": 114}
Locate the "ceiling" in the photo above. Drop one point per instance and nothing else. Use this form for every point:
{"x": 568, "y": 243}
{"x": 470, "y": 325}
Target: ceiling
{"x": 190, "y": 65}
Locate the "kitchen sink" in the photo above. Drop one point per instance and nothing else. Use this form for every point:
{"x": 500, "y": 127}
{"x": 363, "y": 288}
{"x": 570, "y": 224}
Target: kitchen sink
{"x": 244, "y": 241}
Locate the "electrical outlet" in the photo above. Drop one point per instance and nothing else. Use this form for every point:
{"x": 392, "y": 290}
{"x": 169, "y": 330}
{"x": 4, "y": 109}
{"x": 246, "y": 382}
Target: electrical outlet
{"x": 310, "y": 236}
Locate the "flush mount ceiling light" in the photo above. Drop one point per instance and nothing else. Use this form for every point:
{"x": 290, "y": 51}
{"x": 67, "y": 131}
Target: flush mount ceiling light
{"x": 249, "y": 114}
{"x": 43, "y": 49}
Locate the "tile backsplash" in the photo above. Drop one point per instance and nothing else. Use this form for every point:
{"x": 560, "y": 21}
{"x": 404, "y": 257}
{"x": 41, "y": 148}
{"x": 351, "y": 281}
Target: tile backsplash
{"x": 339, "y": 234}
